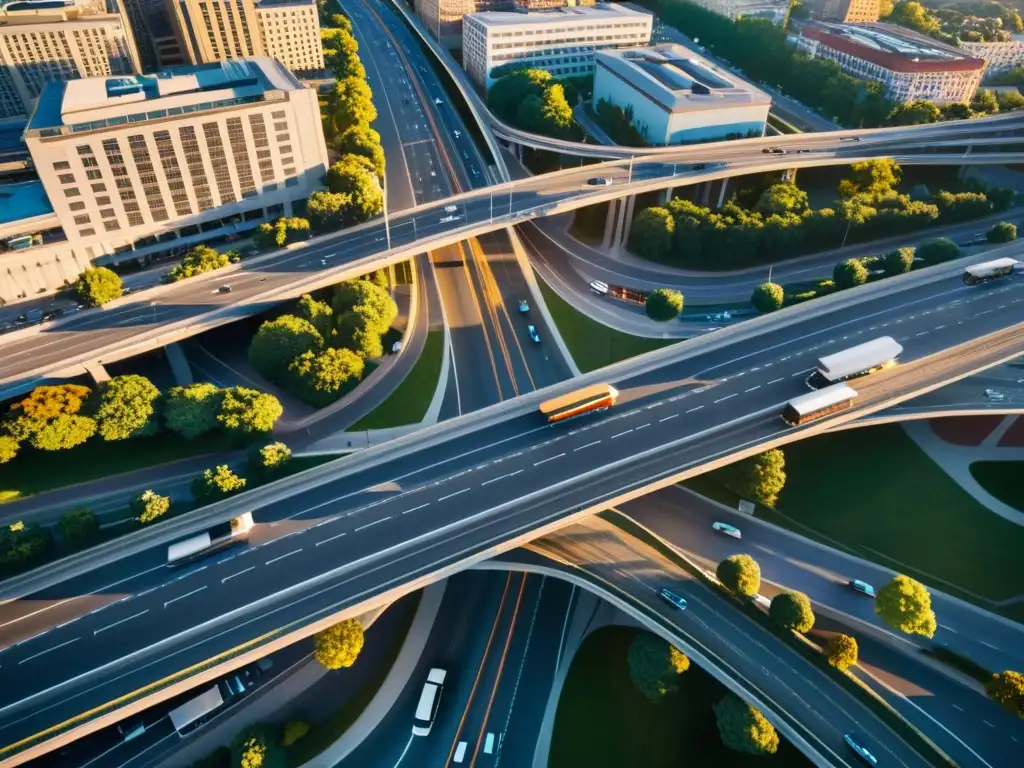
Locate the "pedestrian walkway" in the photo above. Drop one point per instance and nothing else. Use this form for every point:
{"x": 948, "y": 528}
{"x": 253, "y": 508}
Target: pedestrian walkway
{"x": 956, "y": 460}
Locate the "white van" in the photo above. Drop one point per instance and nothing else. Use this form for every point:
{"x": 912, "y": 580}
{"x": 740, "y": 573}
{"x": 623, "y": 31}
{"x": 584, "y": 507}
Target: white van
{"x": 430, "y": 699}
{"x": 598, "y": 287}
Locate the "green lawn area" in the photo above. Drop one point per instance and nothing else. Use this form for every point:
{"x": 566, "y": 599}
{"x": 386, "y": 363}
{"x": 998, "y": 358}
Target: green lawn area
{"x": 602, "y": 720}
{"x": 873, "y": 492}
{"x": 1003, "y": 479}
{"x": 408, "y": 404}
{"x": 37, "y": 471}
{"x": 592, "y": 344}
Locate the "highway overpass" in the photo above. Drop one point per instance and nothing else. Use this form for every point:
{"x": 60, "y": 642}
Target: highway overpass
{"x": 361, "y": 531}
{"x": 168, "y": 313}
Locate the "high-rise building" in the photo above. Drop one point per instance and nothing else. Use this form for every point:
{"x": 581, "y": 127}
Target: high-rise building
{"x": 444, "y": 17}
{"x": 147, "y": 163}
{"x": 220, "y": 30}
{"x": 45, "y": 41}
{"x": 561, "y": 40}
{"x": 844, "y": 11}
{"x": 999, "y": 56}
{"x": 909, "y": 65}
{"x": 156, "y": 36}
{"x": 773, "y": 10}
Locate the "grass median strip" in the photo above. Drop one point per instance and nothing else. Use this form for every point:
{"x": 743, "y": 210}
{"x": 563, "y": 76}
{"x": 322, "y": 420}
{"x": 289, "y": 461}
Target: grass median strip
{"x": 409, "y": 402}
{"x": 805, "y": 647}
{"x": 592, "y": 344}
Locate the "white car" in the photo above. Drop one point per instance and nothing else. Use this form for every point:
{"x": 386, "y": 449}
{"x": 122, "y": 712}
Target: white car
{"x": 994, "y": 394}
{"x": 430, "y": 700}
{"x": 451, "y": 208}
{"x": 457, "y": 134}
{"x": 728, "y": 530}
{"x": 438, "y": 102}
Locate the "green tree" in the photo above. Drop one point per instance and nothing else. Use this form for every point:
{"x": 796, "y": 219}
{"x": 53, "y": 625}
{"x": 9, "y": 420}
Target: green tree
{"x": 914, "y": 113}
{"x": 1001, "y": 232}
{"x": 318, "y": 313}
{"x": 350, "y": 104}
{"x": 191, "y": 410}
{"x": 841, "y": 652}
{"x": 339, "y": 646}
{"x": 782, "y": 198}
{"x": 743, "y": 728}
{"x": 898, "y": 261}
{"x": 655, "y": 666}
{"x": 149, "y": 506}
{"x": 216, "y": 484}
{"x": 556, "y": 113}
{"x": 906, "y": 605}
{"x": 257, "y": 747}
{"x": 323, "y": 376}
{"x": 280, "y": 341}
{"x": 125, "y": 406}
{"x": 63, "y": 433}
{"x": 359, "y": 331}
{"x": 24, "y": 544}
{"x": 650, "y": 235}
{"x": 355, "y": 176}
{"x": 78, "y": 527}
{"x": 8, "y": 448}
{"x": 248, "y": 411}
{"x": 875, "y": 178}
{"x": 28, "y": 416}
{"x": 849, "y": 274}
{"x": 327, "y": 211}
{"x": 792, "y": 610}
{"x": 293, "y": 731}
{"x": 368, "y": 298}
{"x": 267, "y": 462}
{"x": 197, "y": 261}
{"x": 664, "y": 304}
{"x": 985, "y": 102}
{"x": 740, "y": 574}
{"x": 287, "y": 229}
{"x": 510, "y": 90}
{"x": 956, "y": 111}
{"x": 759, "y": 478}
{"x": 1008, "y": 689}
{"x": 938, "y": 250}
{"x": 768, "y": 297}
{"x": 1001, "y": 198}
{"x": 96, "y": 286}
{"x": 364, "y": 141}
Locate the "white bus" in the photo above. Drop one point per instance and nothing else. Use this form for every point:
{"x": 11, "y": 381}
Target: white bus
{"x": 856, "y": 361}
{"x": 989, "y": 270}
{"x": 817, "y": 404}
{"x": 430, "y": 699}
{"x": 188, "y": 714}
{"x": 222, "y": 535}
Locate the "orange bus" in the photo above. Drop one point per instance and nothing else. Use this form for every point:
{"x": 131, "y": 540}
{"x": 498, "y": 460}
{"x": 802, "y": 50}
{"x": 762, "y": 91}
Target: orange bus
{"x": 596, "y": 397}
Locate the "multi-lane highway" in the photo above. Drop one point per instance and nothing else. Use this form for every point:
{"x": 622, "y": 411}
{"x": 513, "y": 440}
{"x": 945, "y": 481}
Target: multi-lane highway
{"x": 133, "y": 324}
{"x": 341, "y": 542}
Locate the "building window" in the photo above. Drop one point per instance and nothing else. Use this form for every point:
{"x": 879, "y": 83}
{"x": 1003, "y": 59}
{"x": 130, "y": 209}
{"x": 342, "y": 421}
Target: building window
{"x": 111, "y": 226}
{"x": 67, "y": 178}
{"x": 77, "y": 206}
{"x": 99, "y": 187}
{"x": 83, "y": 219}
{"x": 86, "y": 232}
{"x": 61, "y": 165}
{"x": 84, "y": 149}
{"x": 107, "y": 213}
{"x": 72, "y": 192}
{"x": 93, "y": 174}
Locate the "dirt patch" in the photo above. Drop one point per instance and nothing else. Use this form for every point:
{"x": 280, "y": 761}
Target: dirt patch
{"x": 965, "y": 430}
{"x": 1014, "y": 436}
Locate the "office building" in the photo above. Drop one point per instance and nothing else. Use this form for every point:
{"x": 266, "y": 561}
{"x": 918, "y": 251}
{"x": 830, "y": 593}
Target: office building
{"x": 844, "y": 11}
{"x": 147, "y": 164}
{"x": 678, "y": 97}
{"x": 912, "y": 67}
{"x": 999, "y": 57}
{"x": 444, "y": 17}
{"x": 156, "y": 36}
{"x": 561, "y": 41}
{"x": 220, "y": 30}
{"x": 774, "y": 11}
{"x": 44, "y": 41}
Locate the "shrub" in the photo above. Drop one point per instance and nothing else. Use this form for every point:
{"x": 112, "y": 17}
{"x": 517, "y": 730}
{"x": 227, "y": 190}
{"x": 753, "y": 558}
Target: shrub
{"x": 8, "y": 448}
{"x": 293, "y": 731}
{"x": 149, "y": 506}
{"x": 743, "y": 728}
{"x": 898, "y": 261}
{"x": 1008, "y": 689}
{"x": 24, "y": 544}
{"x": 216, "y": 484}
{"x": 849, "y": 274}
{"x": 938, "y": 250}
{"x": 906, "y": 605}
{"x": 664, "y": 304}
{"x": 78, "y": 527}
{"x": 1001, "y": 232}
{"x": 767, "y": 297}
{"x": 339, "y": 646}
{"x": 268, "y": 461}
{"x": 655, "y": 665}
{"x": 792, "y": 610}
{"x": 740, "y": 574}
{"x": 96, "y": 286}
{"x": 841, "y": 652}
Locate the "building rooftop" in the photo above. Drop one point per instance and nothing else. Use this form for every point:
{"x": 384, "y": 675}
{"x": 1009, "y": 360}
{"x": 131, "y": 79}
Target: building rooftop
{"x": 102, "y": 102}
{"x": 679, "y": 78}
{"x": 599, "y": 13}
{"x": 23, "y": 200}
{"x": 894, "y": 48}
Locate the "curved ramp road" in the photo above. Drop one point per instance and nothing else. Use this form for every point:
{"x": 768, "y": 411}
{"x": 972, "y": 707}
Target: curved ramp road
{"x": 338, "y": 544}
{"x": 169, "y": 313}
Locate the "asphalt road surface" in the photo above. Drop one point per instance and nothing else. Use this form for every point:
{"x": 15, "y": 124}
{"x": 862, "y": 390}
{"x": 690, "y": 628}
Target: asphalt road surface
{"x": 341, "y": 542}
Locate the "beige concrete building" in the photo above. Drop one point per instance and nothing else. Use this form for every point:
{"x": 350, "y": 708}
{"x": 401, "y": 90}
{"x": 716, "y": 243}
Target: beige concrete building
{"x": 220, "y": 30}
{"x": 146, "y": 165}
{"x": 157, "y": 37}
{"x": 43, "y": 42}
{"x": 444, "y": 17}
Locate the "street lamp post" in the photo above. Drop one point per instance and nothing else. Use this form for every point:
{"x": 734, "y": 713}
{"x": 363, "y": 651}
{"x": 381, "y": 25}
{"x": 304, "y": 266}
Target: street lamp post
{"x": 387, "y": 223}
{"x": 630, "y": 179}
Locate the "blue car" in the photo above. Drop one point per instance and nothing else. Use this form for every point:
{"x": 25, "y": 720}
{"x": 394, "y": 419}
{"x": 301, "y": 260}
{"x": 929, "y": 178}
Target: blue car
{"x": 861, "y": 587}
{"x": 524, "y": 306}
{"x": 671, "y": 597}
{"x": 854, "y": 742}
{"x": 534, "y": 336}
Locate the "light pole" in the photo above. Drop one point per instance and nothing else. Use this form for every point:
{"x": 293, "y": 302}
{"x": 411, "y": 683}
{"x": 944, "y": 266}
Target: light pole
{"x": 630, "y": 179}
{"x": 492, "y": 205}
{"x": 387, "y": 224}
{"x": 510, "y": 198}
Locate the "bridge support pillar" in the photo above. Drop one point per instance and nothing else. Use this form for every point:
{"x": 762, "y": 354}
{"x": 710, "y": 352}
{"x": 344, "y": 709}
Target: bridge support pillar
{"x": 609, "y": 224}
{"x": 179, "y": 364}
{"x": 628, "y": 220}
{"x": 721, "y": 193}
{"x": 620, "y": 220}
{"x": 704, "y": 193}
{"x": 96, "y": 371}
{"x": 789, "y": 175}
{"x": 666, "y": 195}
{"x": 519, "y": 152}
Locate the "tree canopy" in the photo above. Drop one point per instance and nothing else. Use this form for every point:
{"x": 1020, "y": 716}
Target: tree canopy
{"x": 30, "y": 415}
{"x": 743, "y": 728}
{"x": 768, "y": 297}
{"x": 906, "y": 605}
{"x": 849, "y": 274}
{"x": 248, "y": 411}
{"x": 24, "y": 544}
{"x": 339, "y": 646}
{"x": 792, "y": 610}
{"x": 327, "y": 211}
{"x": 287, "y": 229}
{"x": 1001, "y": 232}
{"x": 759, "y": 478}
{"x": 785, "y": 197}
{"x": 126, "y": 406}
{"x": 1008, "y": 689}
{"x": 841, "y": 651}
{"x": 363, "y": 141}
{"x": 898, "y": 261}
{"x": 740, "y": 574}
{"x": 149, "y": 506}
{"x": 78, "y": 527}
{"x": 269, "y": 461}
{"x": 8, "y": 448}
{"x": 191, "y": 410}
{"x": 650, "y": 235}
{"x": 655, "y": 666}
{"x": 355, "y": 177}
{"x": 278, "y": 342}
{"x": 938, "y": 250}
{"x": 664, "y": 304}
{"x": 323, "y": 376}
{"x": 98, "y": 285}
{"x": 257, "y": 747}
{"x": 216, "y": 484}
{"x": 197, "y": 261}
